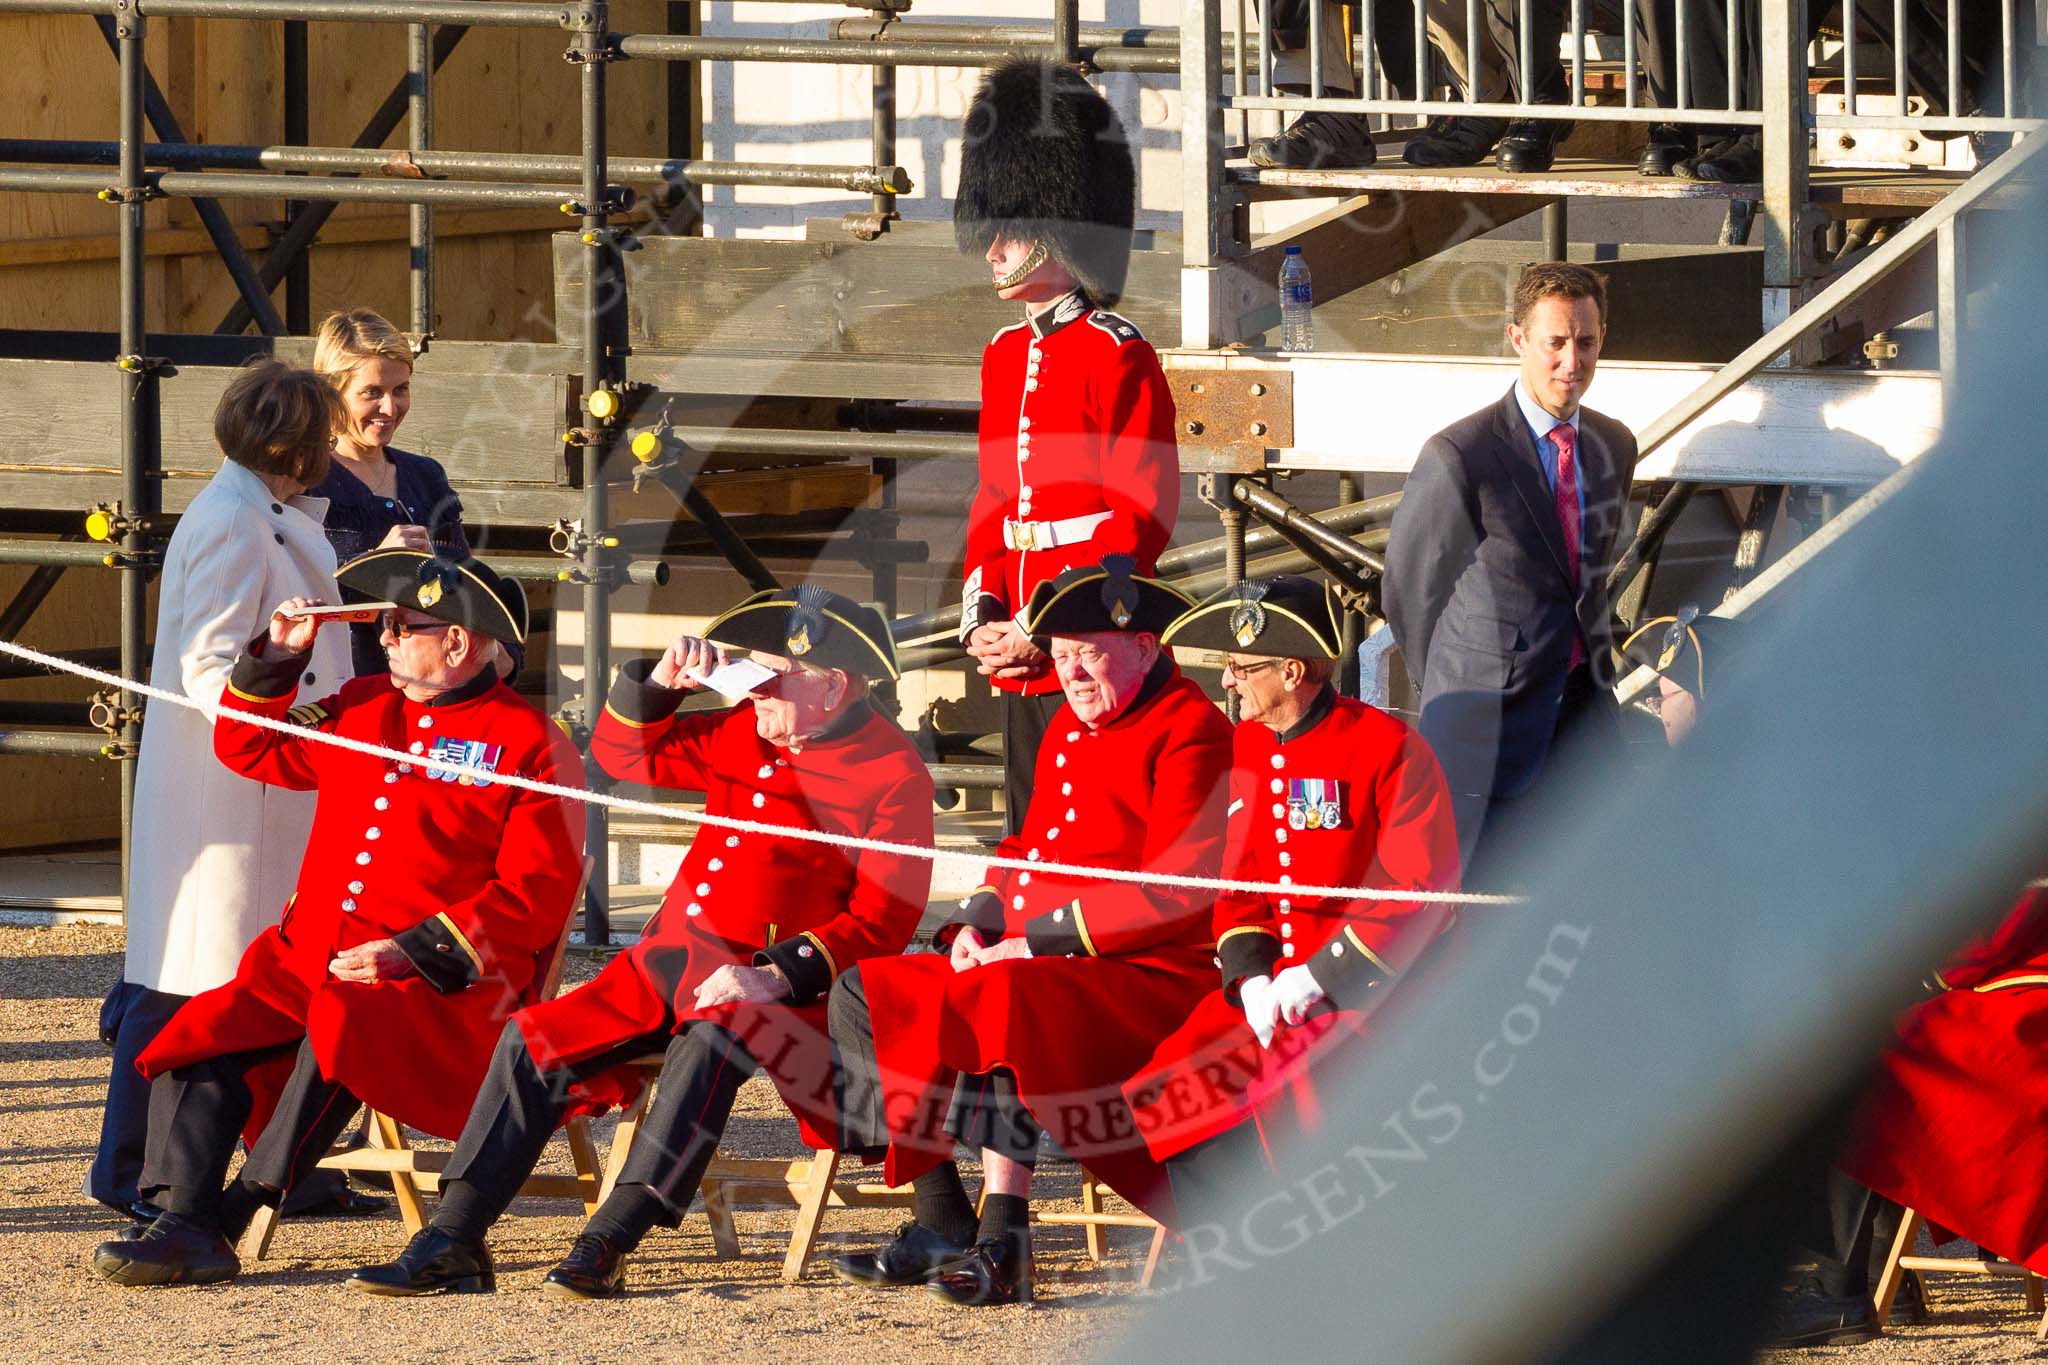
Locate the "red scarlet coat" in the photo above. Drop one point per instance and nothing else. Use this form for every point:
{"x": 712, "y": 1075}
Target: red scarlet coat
{"x": 474, "y": 879}
{"x": 1115, "y": 966}
{"x": 1392, "y": 827}
{"x": 1957, "y": 1124}
{"x": 751, "y": 899}
{"x": 1076, "y": 420}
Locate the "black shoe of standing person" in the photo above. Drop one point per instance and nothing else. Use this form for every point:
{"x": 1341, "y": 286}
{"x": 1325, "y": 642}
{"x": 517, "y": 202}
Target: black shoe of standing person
{"x": 993, "y": 1270}
{"x": 1823, "y": 1320}
{"x": 591, "y": 1270}
{"x": 1318, "y": 141}
{"x": 1738, "y": 161}
{"x": 1529, "y": 146}
{"x": 910, "y": 1259}
{"x": 1453, "y": 142}
{"x": 432, "y": 1263}
{"x": 174, "y": 1249}
{"x": 1669, "y": 144}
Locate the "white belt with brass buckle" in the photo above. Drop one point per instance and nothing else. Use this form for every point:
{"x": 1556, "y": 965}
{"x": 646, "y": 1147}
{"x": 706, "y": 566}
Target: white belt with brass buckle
{"x": 1047, "y": 535}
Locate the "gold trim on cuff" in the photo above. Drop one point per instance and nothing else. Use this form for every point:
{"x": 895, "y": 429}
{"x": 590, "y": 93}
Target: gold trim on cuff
{"x": 462, "y": 941}
{"x": 1081, "y": 930}
{"x": 1375, "y": 958}
{"x": 260, "y": 701}
{"x": 1229, "y": 934}
{"x": 831, "y": 963}
{"x": 2030, "y": 979}
{"x": 632, "y": 724}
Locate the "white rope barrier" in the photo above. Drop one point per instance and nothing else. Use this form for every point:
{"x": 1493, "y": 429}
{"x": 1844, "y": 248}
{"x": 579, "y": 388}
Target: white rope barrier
{"x": 1037, "y": 868}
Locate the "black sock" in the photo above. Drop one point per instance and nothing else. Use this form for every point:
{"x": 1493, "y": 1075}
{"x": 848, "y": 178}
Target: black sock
{"x": 462, "y": 1213}
{"x": 193, "y": 1205}
{"x": 624, "y": 1218}
{"x": 942, "y": 1204}
{"x": 1004, "y": 1215}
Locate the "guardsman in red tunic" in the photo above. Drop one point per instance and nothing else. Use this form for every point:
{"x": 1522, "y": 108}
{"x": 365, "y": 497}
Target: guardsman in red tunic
{"x": 1324, "y": 791}
{"x": 731, "y": 974}
{"x": 429, "y": 906}
{"x": 1077, "y": 445}
{"x": 1054, "y": 986}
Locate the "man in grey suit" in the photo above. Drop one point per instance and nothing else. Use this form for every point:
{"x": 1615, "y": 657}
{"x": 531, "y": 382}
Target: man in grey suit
{"x": 1496, "y": 578}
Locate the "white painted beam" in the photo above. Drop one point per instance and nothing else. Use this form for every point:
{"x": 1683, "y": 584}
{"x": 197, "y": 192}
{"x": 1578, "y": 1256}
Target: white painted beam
{"x": 1372, "y": 414}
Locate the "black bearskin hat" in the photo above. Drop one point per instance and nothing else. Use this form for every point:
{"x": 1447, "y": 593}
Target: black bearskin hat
{"x": 1044, "y": 159}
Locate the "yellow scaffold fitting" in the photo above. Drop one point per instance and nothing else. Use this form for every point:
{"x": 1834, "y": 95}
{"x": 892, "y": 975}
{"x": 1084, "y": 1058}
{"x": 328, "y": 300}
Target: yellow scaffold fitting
{"x": 603, "y": 404}
{"x": 100, "y": 523}
{"x": 646, "y": 446}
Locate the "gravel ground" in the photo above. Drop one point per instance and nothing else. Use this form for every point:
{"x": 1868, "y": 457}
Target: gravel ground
{"x": 683, "y": 1301}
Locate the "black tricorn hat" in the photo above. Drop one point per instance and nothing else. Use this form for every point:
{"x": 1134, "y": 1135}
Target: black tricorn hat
{"x": 1044, "y": 159}
{"x": 812, "y": 625}
{"x": 466, "y": 592}
{"x": 1282, "y": 617}
{"x": 1678, "y": 646}
{"x": 1096, "y": 599}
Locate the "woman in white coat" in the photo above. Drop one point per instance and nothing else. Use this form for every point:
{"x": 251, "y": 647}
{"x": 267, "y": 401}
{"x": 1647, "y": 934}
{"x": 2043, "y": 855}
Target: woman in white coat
{"x": 214, "y": 855}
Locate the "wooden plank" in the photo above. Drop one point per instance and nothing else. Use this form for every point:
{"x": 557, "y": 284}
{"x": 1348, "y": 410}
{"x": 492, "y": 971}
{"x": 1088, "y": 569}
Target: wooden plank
{"x": 1784, "y": 426}
{"x": 907, "y": 300}
{"x": 501, "y": 428}
{"x": 1360, "y": 240}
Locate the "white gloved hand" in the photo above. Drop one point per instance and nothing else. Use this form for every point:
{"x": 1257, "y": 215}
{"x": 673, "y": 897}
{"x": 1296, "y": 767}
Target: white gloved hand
{"x": 1261, "y": 1007}
{"x": 1295, "y": 992}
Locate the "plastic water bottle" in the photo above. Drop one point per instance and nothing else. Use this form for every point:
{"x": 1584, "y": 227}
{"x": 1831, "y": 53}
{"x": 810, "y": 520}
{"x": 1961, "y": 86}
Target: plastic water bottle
{"x": 1297, "y": 328}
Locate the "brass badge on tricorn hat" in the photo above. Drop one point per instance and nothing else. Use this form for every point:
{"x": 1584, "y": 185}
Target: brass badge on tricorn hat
{"x": 1674, "y": 635}
{"x": 1249, "y": 618}
{"x": 435, "y": 580}
{"x": 1119, "y": 594}
{"x": 806, "y": 624}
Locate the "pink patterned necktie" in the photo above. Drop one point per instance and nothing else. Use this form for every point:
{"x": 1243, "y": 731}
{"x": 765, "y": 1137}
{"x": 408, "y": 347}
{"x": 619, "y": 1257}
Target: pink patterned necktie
{"x": 1567, "y": 438}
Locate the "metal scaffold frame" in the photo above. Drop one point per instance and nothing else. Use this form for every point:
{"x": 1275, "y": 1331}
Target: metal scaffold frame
{"x": 1224, "y": 76}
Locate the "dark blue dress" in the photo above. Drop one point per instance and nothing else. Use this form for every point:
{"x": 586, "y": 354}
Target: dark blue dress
{"x": 358, "y": 519}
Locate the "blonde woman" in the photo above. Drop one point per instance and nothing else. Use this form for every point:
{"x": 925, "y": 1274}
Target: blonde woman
{"x": 378, "y": 495}
{"x": 216, "y": 855}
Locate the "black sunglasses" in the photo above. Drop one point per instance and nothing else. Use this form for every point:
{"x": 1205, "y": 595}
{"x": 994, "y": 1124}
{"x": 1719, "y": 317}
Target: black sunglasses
{"x": 388, "y": 620}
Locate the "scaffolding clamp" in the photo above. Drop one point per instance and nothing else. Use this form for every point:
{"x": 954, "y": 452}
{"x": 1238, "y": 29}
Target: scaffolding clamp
{"x": 129, "y": 194}
{"x": 586, "y": 56}
{"x": 566, "y": 538}
{"x": 105, "y": 712}
{"x": 107, "y": 523}
{"x": 141, "y": 364}
{"x": 618, "y": 238}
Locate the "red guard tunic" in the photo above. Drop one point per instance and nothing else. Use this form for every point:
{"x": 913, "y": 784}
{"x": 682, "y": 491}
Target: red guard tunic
{"x": 1077, "y": 458}
{"x": 1956, "y": 1125}
{"x": 809, "y": 908}
{"x": 1351, "y": 796}
{"x": 474, "y": 879}
{"x": 1115, "y": 966}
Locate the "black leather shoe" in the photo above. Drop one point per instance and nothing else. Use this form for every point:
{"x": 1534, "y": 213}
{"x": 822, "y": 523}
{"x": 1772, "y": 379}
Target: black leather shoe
{"x": 1669, "y": 144}
{"x": 1318, "y": 141}
{"x": 1823, "y": 1320}
{"x": 994, "y": 1270}
{"x": 1530, "y": 145}
{"x": 432, "y": 1263}
{"x": 1738, "y": 161}
{"x": 172, "y": 1250}
{"x": 910, "y": 1259}
{"x": 1453, "y": 142}
{"x": 591, "y": 1270}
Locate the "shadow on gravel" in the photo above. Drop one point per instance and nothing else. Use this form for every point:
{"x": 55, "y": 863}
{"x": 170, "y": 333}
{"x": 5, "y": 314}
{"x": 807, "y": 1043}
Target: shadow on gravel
{"x": 83, "y": 977}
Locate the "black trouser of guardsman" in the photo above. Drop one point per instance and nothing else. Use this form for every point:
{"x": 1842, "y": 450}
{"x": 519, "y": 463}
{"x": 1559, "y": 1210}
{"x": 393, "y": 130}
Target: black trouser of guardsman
{"x": 986, "y": 1111}
{"x": 1025, "y": 721}
{"x": 197, "y": 1112}
{"x": 520, "y": 1106}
